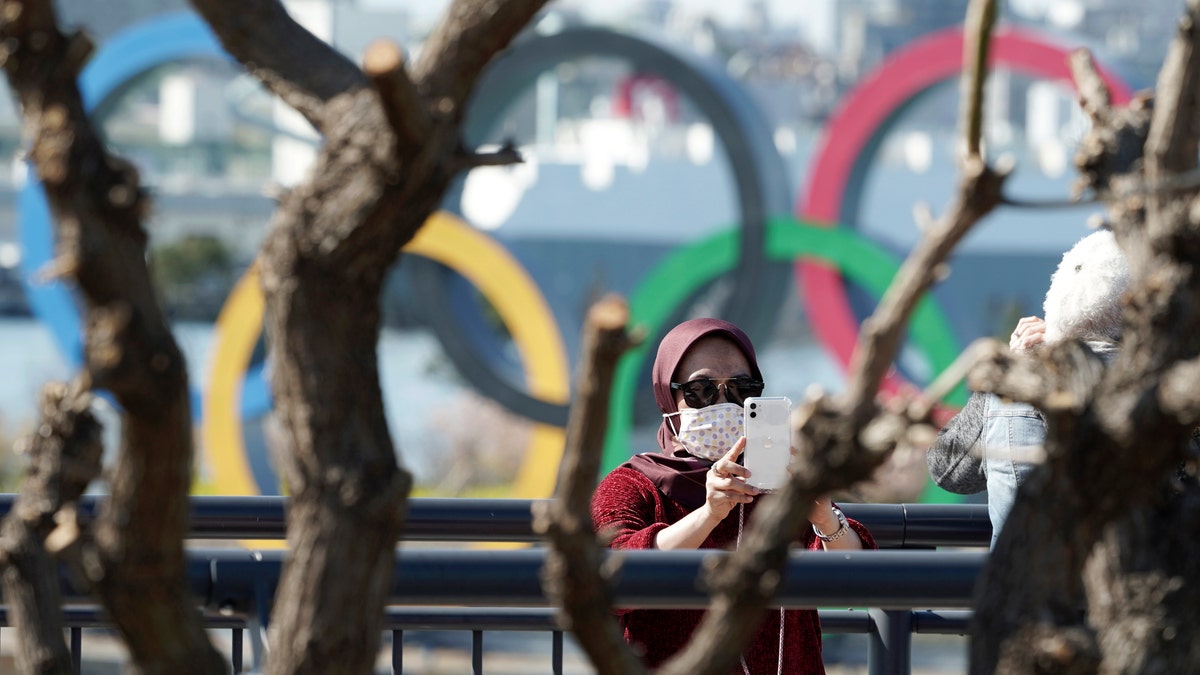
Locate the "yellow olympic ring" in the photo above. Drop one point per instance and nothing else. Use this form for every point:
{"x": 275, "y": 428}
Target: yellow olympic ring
{"x": 447, "y": 240}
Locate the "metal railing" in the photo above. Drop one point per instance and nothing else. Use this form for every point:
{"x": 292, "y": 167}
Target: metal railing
{"x": 511, "y": 520}
{"x": 495, "y": 590}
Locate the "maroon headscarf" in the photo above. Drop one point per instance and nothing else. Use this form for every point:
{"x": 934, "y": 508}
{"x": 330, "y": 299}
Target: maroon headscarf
{"x": 676, "y": 473}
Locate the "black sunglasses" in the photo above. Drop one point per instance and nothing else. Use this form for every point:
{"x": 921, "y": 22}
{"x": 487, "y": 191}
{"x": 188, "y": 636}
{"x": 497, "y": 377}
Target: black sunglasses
{"x": 702, "y": 392}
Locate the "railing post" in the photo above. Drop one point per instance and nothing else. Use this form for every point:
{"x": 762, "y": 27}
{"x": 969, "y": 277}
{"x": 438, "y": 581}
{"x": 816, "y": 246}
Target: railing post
{"x": 77, "y": 648}
{"x": 890, "y": 650}
{"x": 258, "y": 621}
{"x": 236, "y": 648}
{"x": 556, "y": 653}
{"x": 397, "y": 652}
{"x": 258, "y": 651}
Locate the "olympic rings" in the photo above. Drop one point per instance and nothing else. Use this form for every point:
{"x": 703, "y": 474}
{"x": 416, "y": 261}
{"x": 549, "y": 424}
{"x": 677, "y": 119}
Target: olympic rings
{"x": 453, "y": 243}
{"x": 756, "y": 254}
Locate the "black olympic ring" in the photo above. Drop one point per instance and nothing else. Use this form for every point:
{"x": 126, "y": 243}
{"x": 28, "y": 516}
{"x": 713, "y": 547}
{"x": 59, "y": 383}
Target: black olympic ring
{"x": 763, "y": 188}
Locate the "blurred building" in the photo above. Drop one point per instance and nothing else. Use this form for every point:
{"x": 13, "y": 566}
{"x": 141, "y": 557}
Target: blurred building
{"x": 1131, "y": 33}
{"x": 213, "y": 148}
{"x": 869, "y": 30}
{"x": 102, "y": 19}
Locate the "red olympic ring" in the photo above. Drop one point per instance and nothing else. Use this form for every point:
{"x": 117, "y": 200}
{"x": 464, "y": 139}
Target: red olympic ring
{"x": 865, "y": 115}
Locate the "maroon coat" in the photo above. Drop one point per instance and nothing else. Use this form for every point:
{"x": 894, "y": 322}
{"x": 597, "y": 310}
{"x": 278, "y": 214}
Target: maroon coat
{"x": 628, "y": 502}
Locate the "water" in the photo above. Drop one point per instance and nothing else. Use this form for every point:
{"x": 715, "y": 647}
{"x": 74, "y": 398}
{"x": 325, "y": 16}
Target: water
{"x": 29, "y": 358}
{"x": 417, "y": 382}
{"x": 440, "y": 426}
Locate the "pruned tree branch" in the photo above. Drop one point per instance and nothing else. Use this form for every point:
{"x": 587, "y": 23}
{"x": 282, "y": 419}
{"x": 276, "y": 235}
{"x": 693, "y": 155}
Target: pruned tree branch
{"x": 1059, "y": 378}
{"x": 1113, "y": 145}
{"x": 505, "y": 155}
{"x": 384, "y": 64}
{"x": 979, "y": 191}
{"x": 1094, "y": 97}
{"x": 977, "y": 42}
{"x": 881, "y": 334}
{"x": 572, "y": 576}
{"x": 1178, "y": 394}
{"x": 470, "y": 33}
{"x": 295, "y": 65}
{"x": 64, "y": 458}
{"x": 350, "y": 215}
{"x": 1179, "y": 183}
{"x": 947, "y": 380}
{"x": 1171, "y": 147}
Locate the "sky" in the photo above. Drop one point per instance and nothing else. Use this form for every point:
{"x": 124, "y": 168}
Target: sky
{"x": 783, "y": 11}
{"x": 812, "y": 18}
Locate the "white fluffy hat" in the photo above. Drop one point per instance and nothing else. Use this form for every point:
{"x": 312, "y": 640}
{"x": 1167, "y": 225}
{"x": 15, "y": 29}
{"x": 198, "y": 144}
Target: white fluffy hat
{"x": 1083, "y": 301}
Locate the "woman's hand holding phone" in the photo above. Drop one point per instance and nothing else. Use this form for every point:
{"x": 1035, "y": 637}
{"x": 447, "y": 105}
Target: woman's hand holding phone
{"x": 725, "y": 484}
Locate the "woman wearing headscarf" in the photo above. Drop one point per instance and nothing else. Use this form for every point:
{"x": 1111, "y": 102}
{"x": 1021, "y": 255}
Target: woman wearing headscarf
{"x": 692, "y": 494}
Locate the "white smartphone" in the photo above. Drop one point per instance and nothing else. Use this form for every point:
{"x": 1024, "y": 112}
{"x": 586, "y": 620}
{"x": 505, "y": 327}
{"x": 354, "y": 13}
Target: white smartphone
{"x": 768, "y": 440}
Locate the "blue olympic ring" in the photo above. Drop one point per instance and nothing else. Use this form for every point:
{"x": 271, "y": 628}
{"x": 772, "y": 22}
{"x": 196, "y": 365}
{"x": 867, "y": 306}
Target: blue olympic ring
{"x": 127, "y": 55}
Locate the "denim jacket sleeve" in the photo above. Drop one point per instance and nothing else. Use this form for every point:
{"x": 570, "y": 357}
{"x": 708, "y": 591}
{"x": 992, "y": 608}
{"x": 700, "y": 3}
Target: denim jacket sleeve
{"x": 954, "y": 460}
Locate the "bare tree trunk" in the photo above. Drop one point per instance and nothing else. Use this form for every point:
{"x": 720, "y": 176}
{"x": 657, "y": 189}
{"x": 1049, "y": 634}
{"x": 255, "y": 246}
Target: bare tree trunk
{"x": 1093, "y": 529}
{"x": 348, "y": 495}
{"x": 392, "y": 148}
{"x": 136, "y": 565}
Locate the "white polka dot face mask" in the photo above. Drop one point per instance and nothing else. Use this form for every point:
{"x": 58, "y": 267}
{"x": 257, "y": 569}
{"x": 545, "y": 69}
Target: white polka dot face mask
{"x": 709, "y": 432}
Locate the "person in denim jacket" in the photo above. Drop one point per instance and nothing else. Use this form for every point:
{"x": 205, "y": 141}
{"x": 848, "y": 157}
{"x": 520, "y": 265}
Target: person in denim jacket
{"x": 992, "y": 444}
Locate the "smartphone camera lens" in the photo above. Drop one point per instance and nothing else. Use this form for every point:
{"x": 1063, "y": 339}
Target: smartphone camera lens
{"x": 753, "y": 415}
{"x": 753, "y": 406}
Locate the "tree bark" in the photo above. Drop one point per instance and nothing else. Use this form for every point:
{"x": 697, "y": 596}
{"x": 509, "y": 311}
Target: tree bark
{"x": 1141, "y": 585}
{"x": 136, "y": 565}
{"x": 392, "y": 148}
{"x": 1089, "y": 574}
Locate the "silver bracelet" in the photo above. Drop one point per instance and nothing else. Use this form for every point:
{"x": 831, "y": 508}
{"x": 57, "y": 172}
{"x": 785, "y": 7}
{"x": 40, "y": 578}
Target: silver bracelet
{"x": 841, "y": 531}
